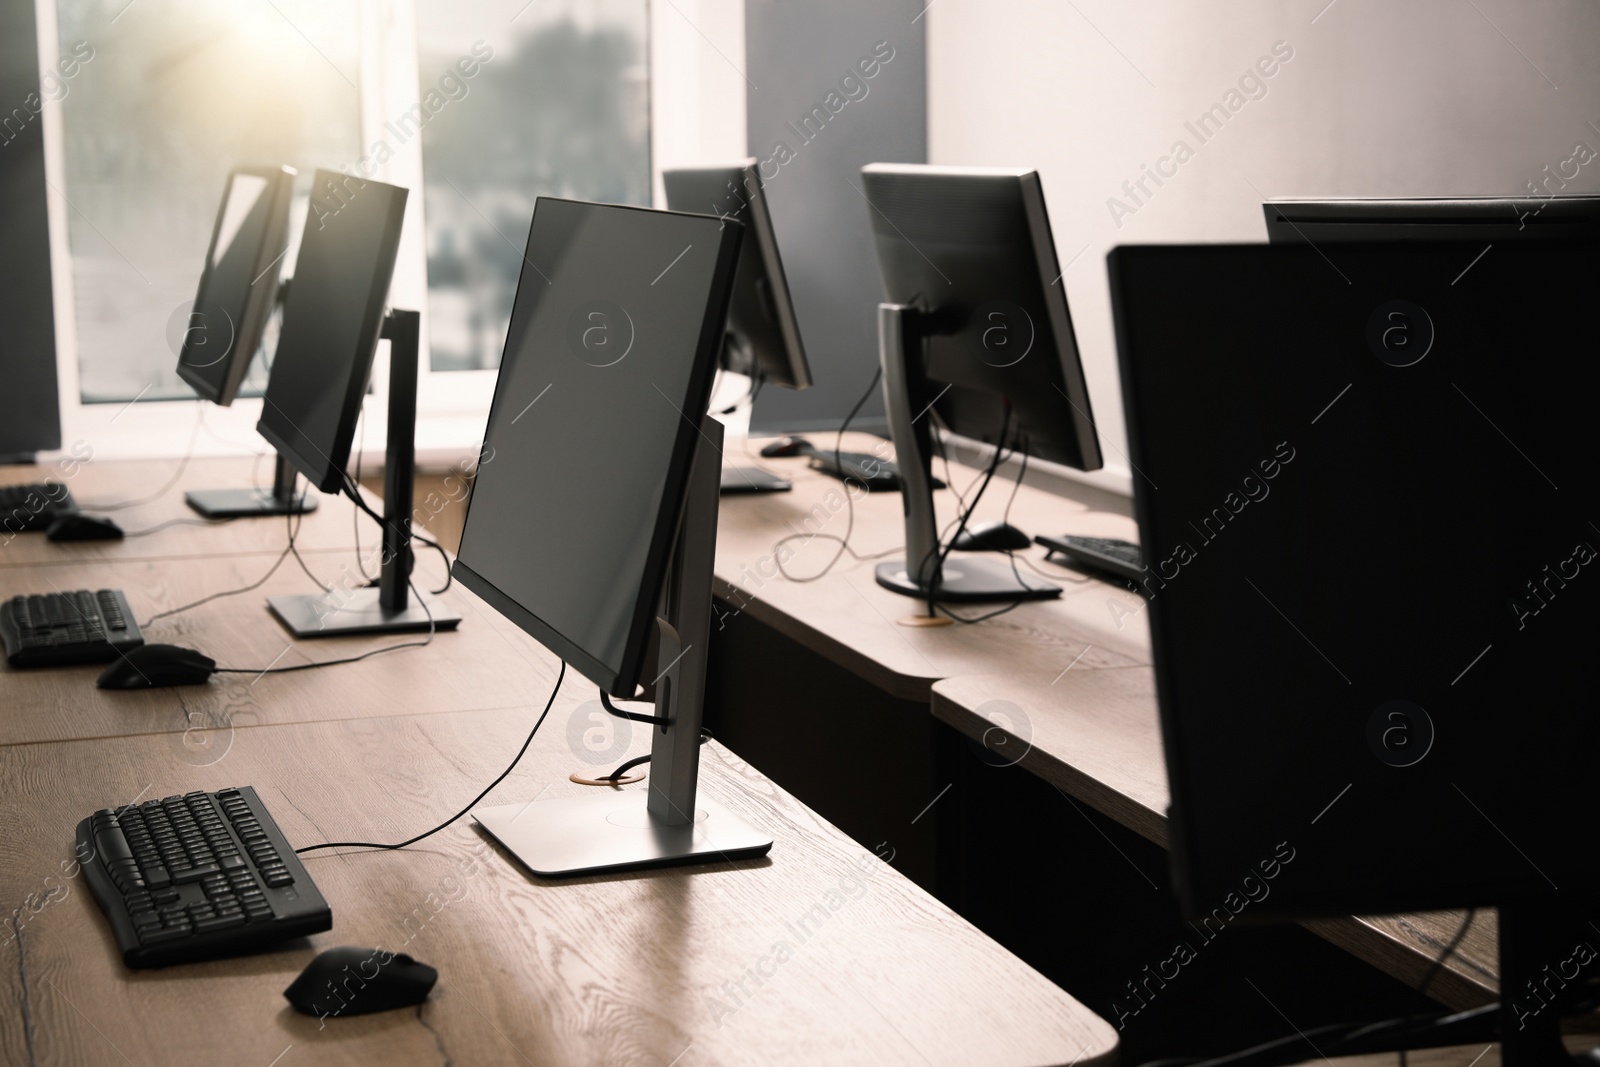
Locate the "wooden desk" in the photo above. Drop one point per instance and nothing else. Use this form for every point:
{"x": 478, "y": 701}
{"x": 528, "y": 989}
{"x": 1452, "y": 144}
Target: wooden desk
{"x": 487, "y": 663}
{"x": 851, "y": 620}
{"x": 1095, "y": 735}
{"x": 1077, "y": 669}
{"x": 683, "y": 966}
{"x": 331, "y": 526}
{"x": 680, "y": 966}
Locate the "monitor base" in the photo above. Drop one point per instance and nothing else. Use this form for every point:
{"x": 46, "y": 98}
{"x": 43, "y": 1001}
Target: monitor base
{"x": 614, "y": 832}
{"x": 967, "y": 581}
{"x": 341, "y": 614}
{"x": 246, "y": 503}
{"x": 752, "y": 480}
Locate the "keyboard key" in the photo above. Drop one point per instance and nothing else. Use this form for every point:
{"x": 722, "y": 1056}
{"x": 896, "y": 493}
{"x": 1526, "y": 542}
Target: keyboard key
{"x": 194, "y": 874}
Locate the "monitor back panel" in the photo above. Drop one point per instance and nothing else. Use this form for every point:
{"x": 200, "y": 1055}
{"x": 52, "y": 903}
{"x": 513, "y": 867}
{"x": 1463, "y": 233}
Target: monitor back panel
{"x": 331, "y": 322}
{"x": 1367, "y": 498}
{"x": 596, "y": 418}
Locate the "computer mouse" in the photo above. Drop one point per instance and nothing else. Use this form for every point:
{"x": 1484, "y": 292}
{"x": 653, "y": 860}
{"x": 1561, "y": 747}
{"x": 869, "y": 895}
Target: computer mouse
{"x": 151, "y": 666}
{"x": 76, "y": 526}
{"x": 359, "y": 981}
{"x": 785, "y": 447}
{"x": 992, "y": 537}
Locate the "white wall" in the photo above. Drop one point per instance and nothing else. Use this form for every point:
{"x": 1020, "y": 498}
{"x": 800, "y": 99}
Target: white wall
{"x": 697, "y": 84}
{"x": 1425, "y": 98}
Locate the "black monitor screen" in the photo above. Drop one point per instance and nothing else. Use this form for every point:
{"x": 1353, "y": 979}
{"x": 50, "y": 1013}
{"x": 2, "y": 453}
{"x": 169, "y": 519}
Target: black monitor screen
{"x": 1368, "y": 502}
{"x": 763, "y": 333}
{"x": 239, "y": 285}
{"x": 1478, "y": 218}
{"x": 972, "y": 248}
{"x": 606, "y": 375}
{"x": 331, "y": 322}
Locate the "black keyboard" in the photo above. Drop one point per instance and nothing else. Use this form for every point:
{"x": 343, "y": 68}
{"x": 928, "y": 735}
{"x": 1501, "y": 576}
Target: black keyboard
{"x": 196, "y": 877}
{"x": 1108, "y": 554}
{"x": 878, "y": 475}
{"x": 60, "y": 629}
{"x": 29, "y": 508}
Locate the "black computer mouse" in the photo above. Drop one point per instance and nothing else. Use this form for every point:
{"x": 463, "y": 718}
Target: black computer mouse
{"x": 148, "y": 666}
{"x": 785, "y": 447}
{"x": 76, "y": 526}
{"x": 992, "y": 537}
{"x": 358, "y": 981}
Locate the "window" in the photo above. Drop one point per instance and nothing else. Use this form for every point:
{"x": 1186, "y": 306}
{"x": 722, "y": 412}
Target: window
{"x": 556, "y": 103}
{"x": 174, "y": 94}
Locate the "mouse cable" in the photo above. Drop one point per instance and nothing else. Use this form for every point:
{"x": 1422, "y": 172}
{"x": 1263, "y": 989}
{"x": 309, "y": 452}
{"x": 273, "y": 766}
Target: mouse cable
{"x": 158, "y": 527}
{"x": 943, "y": 551}
{"x": 424, "y": 643}
{"x": 850, "y": 503}
{"x": 757, "y": 379}
{"x": 1437, "y": 1029}
{"x": 428, "y": 833}
{"x": 653, "y": 720}
{"x": 1011, "y": 554}
{"x": 257, "y": 584}
{"x": 292, "y": 521}
{"x": 183, "y": 464}
{"x": 637, "y": 761}
{"x": 353, "y": 491}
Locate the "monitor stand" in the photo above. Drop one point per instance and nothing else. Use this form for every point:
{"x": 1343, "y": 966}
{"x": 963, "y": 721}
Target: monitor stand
{"x": 966, "y": 580}
{"x": 752, "y": 480}
{"x": 619, "y": 829}
{"x": 390, "y": 608}
{"x": 281, "y": 499}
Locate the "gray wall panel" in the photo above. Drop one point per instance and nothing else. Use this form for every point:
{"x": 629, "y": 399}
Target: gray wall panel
{"x": 797, "y": 54}
{"x": 30, "y": 413}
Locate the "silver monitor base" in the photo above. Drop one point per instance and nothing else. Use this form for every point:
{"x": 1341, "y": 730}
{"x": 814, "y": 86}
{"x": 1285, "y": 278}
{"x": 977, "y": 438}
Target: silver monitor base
{"x": 612, "y": 831}
{"x": 968, "y": 580}
{"x": 752, "y": 480}
{"x": 246, "y": 503}
{"x": 340, "y": 614}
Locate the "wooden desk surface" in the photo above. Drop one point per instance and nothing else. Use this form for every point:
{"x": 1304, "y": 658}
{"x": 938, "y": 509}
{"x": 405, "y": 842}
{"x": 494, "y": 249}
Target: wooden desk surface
{"x": 331, "y": 526}
{"x": 486, "y": 663}
{"x": 1095, "y": 735}
{"x": 847, "y": 617}
{"x": 689, "y": 966}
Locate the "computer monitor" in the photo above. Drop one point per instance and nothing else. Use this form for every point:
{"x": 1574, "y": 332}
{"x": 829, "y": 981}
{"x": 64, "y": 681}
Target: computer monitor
{"x": 976, "y": 328}
{"x": 233, "y": 303}
{"x": 332, "y": 320}
{"x": 763, "y": 335}
{"x": 1487, "y": 219}
{"x": 1372, "y": 622}
{"x": 593, "y": 527}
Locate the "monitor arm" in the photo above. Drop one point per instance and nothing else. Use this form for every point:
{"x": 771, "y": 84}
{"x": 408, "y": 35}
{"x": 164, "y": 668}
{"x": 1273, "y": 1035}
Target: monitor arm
{"x": 283, "y": 472}
{"x": 907, "y": 397}
{"x": 609, "y": 829}
{"x": 684, "y": 624}
{"x": 392, "y": 608}
{"x": 402, "y": 330}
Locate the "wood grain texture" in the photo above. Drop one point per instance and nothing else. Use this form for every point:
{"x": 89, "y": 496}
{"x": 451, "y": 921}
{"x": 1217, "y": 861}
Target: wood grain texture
{"x": 818, "y": 953}
{"x": 847, "y": 617}
{"x": 486, "y": 663}
{"x": 1095, "y": 735}
{"x": 439, "y": 503}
